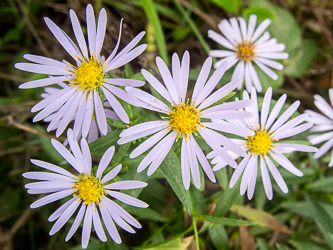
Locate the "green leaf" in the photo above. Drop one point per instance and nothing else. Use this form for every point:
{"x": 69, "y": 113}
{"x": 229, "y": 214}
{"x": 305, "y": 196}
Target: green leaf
{"x": 299, "y": 245}
{"x": 261, "y": 12}
{"x": 227, "y": 199}
{"x": 198, "y": 201}
{"x": 175, "y": 244}
{"x": 301, "y": 208}
{"x": 263, "y": 218}
{"x": 146, "y": 213}
{"x": 138, "y": 76}
{"x": 172, "y": 172}
{"x": 119, "y": 155}
{"x": 282, "y": 247}
{"x": 322, "y": 185}
{"x": 219, "y": 237}
{"x": 154, "y": 20}
{"x": 321, "y": 218}
{"x": 116, "y": 123}
{"x": 98, "y": 147}
{"x": 300, "y": 59}
{"x": 227, "y": 221}
{"x": 229, "y": 5}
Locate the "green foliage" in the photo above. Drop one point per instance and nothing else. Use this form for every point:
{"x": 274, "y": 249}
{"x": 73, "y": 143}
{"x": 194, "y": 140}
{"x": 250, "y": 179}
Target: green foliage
{"x": 171, "y": 170}
{"x": 150, "y": 10}
{"x": 232, "y": 6}
{"x": 261, "y": 13}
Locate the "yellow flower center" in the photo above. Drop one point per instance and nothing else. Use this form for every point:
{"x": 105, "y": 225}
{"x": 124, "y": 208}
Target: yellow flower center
{"x": 184, "y": 119}
{"x": 245, "y": 52}
{"x": 260, "y": 143}
{"x": 89, "y": 75}
{"x": 89, "y": 189}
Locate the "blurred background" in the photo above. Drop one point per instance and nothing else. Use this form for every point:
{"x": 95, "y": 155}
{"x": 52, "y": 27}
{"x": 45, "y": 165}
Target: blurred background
{"x": 304, "y": 26}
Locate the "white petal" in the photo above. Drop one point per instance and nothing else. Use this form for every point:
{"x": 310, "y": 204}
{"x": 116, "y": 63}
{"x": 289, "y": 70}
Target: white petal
{"x": 201, "y": 80}
{"x": 185, "y": 165}
{"x": 109, "y": 224}
{"x": 285, "y": 163}
{"x": 91, "y": 29}
{"x": 100, "y": 114}
{"x": 239, "y": 170}
{"x": 89, "y": 109}
{"x": 323, "y": 149}
{"x": 276, "y": 175}
{"x": 53, "y": 168}
{"x": 255, "y": 78}
{"x": 251, "y": 27}
{"x": 98, "y": 225}
{"x": 122, "y": 94}
{"x": 267, "y": 70}
{"x": 42, "y": 69}
{"x": 86, "y": 229}
{"x": 109, "y": 176}
{"x": 274, "y": 55}
{"x": 139, "y": 135}
{"x": 261, "y": 28}
{"x": 101, "y": 27}
{"x": 125, "y": 82}
{"x": 220, "y": 39}
{"x": 193, "y": 164}
{"x": 266, "y": 179}
{"x": 121, "y": 185}
{"x": 51, "y": 198}
{"x": 56, "y": 214}
{"x": 78, "y": 33}
{"x": 270, "y": 63}
{"x": 275, "y": 111}
{"x": 184, "y": 73}
{"x": 265, "y": 106}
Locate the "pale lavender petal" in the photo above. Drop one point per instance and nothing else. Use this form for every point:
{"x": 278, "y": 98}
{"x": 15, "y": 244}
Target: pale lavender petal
{"x": 113, "y": 53}
{"x": 125, "y": 82}
{"x": 100, "y": 114}
{"x": 276, "y": 110}
{"x": 67, "y": 155}
{"x": 267, "y": 70}
{"x": 91, "y": 29}
{"x": 147, "y": 144}
{"x": 139, "y": 135}
{"x": 266, "y": 179}
{"x": 201, "y": 80}
{"x": 251, "y": 26}
{"x": 235, "y": 28}
{"x": 185, "y": 165}
{"x": 229, "y": 128}
{"x": 228, "y": 115}
{"x": 109, "y": 224}
{"x": 53, "y": 168}
{"x": 261, "y": 28}
{"x": 323, "y": 106}
{"x": 176, "y": 73}
{"x": 78, "y": 122}
{"x": 109, "y": 176}
{"x": 220, "y": 39}
{"x": 101, "y": 27}
{"x": 286, "y": 115}
{"x": 239, "y": 170}
{"x": 93, "y": 132}
{"x": 105, "y": 161}
{"x": 51, "y": 198}
{"x": 193, "y": 164}
{"x": 76, "y": 222}
{"x": 211, "y": 83}
{"x": 296, "y": 147}
{"x": 98, "y": 225}
{"x": 184, "y": 73}
{"x": 243, "y": 27}
{"x": 203, "y": 160}
{"x": 315, "y": 139}
{"x": 167, "y": 78}
{"x": 270, "y": 63}
{"x": 78, "y": 33}
{"x": 86, "y": 155}
{"x": 252, "y": 178}
{"x": 120, "y": 61}
{"x": 45, "y": 176}
{"x": 122, "y": 94}
{"x": 142, "y": 127}
{"x": 323, "y": 149}
{"x": 50, "y": 99}
{"x": 290, "y": 124}
{"x": 41, "y": 69}
{"x": 272, "y": 55}
{"x": 61, "y": 37}
{"x": 86, "y": 230}
{"x": 127, "y": 199}
{"x": 265, "y": 106}
{"x": 56, "y": 214}
{"x": 89, "y": 109}
{"x": 116, "y": 105}
{"x": 294, "y": 131}
{"x": 74, "y": 146}
{"x": 263, "y": 38}
{"x": 255, "y": 78}
{"x": 276, "y": 175}
{"x": 285, "y": 163}
{"x": 157, "y": 85}
{"x": 121, "y": 185}
{"x": 47, "y": 61}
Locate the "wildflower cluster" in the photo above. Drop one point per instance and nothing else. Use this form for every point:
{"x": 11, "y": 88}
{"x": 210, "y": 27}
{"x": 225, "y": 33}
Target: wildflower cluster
{"x": 88, "y": 96}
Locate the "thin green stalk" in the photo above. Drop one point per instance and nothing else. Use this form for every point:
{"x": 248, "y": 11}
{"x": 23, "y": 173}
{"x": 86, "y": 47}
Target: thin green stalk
{"x": 194, "y": 28}
{"x": 194, "y": 223}
{"x": 154, "y": 20}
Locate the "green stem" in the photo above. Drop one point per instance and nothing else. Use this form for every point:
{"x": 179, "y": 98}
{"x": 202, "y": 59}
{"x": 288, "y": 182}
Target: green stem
{"x": 194, "y": 223}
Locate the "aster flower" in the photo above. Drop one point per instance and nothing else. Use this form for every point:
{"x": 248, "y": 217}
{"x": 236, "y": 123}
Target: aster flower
{"x": 246, "y": 45}
{"x": 88, "y": 191}
{"x": 266, "y": 144}
{"x": 322, "y": 123}
{"x": 87, "y": 79}
{"x": 186, "y": 119}
{"x": 94, "y": 132}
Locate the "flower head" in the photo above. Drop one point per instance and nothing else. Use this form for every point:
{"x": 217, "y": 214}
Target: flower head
{"x": 269, "y": 130}
{"x": 247, "y": 45}
{"x": 86, "y": 79}
{"x": 88, "y": 191}
{"x": 185, "y": 119}
{"x": 322, "y": 123}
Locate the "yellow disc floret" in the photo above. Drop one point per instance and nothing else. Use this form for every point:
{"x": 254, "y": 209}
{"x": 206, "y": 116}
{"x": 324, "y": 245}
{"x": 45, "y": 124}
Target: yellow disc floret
{"x": 89, "y": 75}
{"x": 184, "y": 119}
{"x": 245, "y": 52}
{"x": 260, "y": 143}
{"x": 89, "y": 189}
